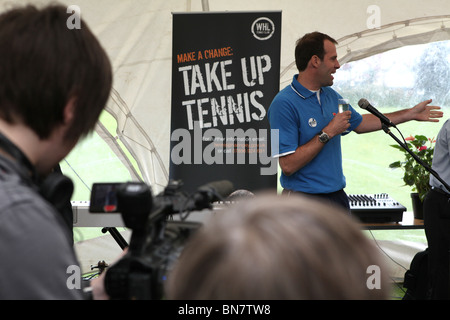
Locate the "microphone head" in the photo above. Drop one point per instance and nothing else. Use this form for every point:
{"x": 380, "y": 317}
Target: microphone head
{"x": 363, "y": 103}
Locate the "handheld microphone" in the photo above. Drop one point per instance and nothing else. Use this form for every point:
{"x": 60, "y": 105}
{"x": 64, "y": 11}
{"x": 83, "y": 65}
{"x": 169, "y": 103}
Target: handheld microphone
{"x": 364, "y": 104}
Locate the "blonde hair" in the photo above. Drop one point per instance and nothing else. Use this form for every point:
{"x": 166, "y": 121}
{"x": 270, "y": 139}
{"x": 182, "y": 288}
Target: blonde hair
{"x": 277, "y": 247}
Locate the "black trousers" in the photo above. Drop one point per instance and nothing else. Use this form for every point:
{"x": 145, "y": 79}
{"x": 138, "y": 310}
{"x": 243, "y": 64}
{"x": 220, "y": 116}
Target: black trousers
{"x": 436, "y": 208}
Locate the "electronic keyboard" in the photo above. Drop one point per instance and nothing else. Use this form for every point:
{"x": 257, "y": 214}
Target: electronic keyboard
{"x": 378, "y": 207}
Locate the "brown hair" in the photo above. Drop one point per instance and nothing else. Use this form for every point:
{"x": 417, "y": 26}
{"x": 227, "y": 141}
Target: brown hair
{"x": 277, "y": 247}
{"x": 44, "y": 64}
{"x": 309, "y": 45}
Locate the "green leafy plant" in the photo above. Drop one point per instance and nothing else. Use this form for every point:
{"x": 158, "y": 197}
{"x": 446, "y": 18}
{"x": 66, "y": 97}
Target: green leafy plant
{"x": 415, "y": 174}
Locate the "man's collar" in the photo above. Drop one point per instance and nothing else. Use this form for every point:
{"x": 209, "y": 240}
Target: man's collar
{"x": 300, "y": 89}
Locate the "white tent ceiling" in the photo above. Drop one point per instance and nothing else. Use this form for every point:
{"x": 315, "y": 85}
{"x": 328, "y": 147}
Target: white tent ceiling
{"x": 137, "y": 34}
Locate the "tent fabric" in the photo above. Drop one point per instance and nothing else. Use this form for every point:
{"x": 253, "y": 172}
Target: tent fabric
{"x": 137, "y": 35}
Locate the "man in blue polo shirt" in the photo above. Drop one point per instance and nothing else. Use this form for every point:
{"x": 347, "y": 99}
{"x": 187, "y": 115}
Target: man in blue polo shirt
{"x": 310, "y": 127}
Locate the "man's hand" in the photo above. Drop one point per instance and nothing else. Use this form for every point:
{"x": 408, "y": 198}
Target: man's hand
{"x": 338, "y": 124}
{"x": 98, "y": 284}
{"x": 423, "y": 112}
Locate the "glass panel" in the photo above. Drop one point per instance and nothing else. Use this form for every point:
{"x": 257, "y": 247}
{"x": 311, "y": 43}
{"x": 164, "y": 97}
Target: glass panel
{"x": 391, "y": 81}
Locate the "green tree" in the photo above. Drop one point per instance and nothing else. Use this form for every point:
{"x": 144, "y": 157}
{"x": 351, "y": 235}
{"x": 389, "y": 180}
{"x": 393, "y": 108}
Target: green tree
{"x": 433, "y": 73}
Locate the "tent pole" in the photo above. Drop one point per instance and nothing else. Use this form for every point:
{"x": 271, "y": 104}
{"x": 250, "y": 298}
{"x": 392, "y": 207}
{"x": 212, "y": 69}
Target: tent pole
{"x": 205, "y": 5}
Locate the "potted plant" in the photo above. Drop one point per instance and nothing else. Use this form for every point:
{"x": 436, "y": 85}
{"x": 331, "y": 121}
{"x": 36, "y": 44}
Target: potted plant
{"x": 415, "y": 174}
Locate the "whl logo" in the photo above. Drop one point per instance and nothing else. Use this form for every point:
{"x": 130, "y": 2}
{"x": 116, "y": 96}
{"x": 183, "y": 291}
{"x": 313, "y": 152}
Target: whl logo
{"x": 263, "y": 28}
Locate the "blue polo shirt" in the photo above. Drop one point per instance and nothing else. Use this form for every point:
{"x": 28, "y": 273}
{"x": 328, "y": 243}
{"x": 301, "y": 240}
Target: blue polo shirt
{"x": 298, "y": 115}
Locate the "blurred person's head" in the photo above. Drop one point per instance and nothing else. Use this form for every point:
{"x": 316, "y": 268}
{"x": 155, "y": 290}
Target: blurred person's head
{"x": 239, "y": 195}
{"x": 277, "y": 247}
{"x": 52, "y": 76}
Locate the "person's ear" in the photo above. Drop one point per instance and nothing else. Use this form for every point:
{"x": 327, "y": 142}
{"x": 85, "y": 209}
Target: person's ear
{"x": 69, "y": 110}
{"x": 315, "y": 61}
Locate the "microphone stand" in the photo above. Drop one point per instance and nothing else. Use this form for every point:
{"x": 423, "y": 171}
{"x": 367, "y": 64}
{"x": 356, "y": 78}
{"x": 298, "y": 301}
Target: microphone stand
{"x": 427, "y": 167}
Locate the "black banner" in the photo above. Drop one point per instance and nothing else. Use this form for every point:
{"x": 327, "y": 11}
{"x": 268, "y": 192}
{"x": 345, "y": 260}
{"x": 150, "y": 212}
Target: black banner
{"x": 225, "y": 73}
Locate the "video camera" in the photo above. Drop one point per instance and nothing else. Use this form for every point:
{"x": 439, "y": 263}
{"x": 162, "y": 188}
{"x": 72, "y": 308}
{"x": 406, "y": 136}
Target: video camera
{"x": 156, "y": 241}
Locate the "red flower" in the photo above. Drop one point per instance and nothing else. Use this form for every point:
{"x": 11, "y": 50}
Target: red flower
{"x": 416, "y": 175}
